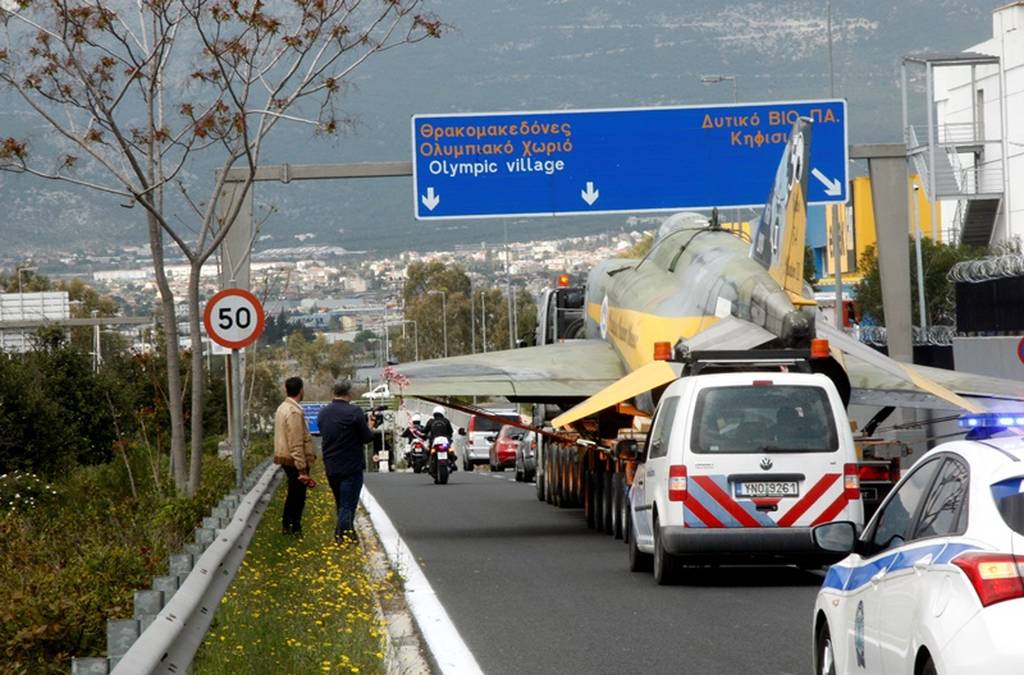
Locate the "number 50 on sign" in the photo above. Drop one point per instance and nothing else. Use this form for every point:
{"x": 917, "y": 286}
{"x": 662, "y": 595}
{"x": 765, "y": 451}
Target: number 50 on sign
{"x": 234, "y": 318}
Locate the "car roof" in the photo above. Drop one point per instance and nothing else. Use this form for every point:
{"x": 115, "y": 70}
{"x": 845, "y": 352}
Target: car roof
{"x": 990, "y": 456}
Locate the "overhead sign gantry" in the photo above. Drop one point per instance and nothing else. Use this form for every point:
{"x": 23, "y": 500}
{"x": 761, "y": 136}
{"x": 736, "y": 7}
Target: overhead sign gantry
{"x": 567, "y": 162}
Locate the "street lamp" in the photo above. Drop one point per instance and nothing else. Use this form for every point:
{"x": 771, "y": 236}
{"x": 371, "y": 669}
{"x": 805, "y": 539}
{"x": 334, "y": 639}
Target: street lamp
{"x": 444, "y": 316}
{"x": 483, "y": 318}
{"x": 21, "y": 296}
{"x": 718, "y": 79}
{"x": 416, "y": 337}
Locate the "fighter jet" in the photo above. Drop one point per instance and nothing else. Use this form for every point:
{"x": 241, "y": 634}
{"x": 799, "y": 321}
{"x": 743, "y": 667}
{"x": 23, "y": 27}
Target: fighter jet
{"x": 701, "y": 287}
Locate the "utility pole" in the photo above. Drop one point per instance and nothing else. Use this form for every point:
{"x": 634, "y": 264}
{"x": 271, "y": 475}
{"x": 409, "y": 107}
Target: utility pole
{"x": 472, "y": 322}
{"x": 508, "y": 289}
{"x": 483, "y": 317}
{"x": 921, "y": 310}
{"x": 444, "y": 316}
{"x": 831, "y": 70}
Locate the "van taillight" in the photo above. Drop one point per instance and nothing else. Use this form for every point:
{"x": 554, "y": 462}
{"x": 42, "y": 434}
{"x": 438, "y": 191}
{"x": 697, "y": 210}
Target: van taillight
{"x": 995, "y": 576}
{"x": 851, "y": 481}
{"x": 472, "y": 423}
{"x": 677, "y": 483}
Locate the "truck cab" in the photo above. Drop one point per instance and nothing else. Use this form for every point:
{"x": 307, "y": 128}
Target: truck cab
{"x": 738, "y": 466}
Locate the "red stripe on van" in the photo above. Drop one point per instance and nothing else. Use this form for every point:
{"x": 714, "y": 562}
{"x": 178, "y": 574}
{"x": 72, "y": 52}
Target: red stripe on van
{"x": 833, "y": 510}
{"x": 703, "y": 515}
{"x": 808, "y": 499}
{"x": 734, "y": 509}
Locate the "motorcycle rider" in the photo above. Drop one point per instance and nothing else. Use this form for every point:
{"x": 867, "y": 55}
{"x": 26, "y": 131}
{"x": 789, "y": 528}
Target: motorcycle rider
{"x": 413, "y": 434}
{"x": 438, "y": 426}
{"x": 415, "y": 430}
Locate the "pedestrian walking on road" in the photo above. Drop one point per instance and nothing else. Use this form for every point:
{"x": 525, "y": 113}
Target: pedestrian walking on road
{"x": 344, "y": 432}
{"x": 293, "y": 450}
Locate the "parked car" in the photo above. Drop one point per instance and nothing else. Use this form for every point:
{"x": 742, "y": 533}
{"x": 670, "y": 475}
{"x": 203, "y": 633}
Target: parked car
{"x": 526, "y": 457}
{"x": 935, "y": 583}
{"x": 503, "y": 450}
{"x": 479, "y": 431}
{"x": 378, "y": 393}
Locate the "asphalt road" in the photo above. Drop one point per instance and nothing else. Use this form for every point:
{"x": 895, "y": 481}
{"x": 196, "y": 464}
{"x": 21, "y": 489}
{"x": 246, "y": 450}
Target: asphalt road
{"x": 532, "y": 590}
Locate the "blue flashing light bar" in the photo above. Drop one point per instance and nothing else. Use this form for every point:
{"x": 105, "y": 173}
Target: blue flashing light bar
{"x": 991, "y": 420}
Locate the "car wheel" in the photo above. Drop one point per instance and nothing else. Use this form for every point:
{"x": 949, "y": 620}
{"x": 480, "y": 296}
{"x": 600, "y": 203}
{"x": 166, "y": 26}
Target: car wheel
{"x": 928, "y": 667}
{"x": 825, "y": 657}
{"x": 666, "y": 566}
{"x": 638, "y": 560}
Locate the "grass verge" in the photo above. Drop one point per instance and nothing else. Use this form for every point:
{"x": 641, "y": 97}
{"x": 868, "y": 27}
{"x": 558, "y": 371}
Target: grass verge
{"x": 74, "y": 551}
{"x": 299, "y": 605}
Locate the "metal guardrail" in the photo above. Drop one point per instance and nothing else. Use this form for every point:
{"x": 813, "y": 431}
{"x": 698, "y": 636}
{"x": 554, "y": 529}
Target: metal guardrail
{"x": 172, "y": 619}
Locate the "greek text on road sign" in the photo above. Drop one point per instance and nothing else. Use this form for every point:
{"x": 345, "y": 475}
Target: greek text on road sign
{"x": 234, "y": 318}
{"x": 618, "y": 160}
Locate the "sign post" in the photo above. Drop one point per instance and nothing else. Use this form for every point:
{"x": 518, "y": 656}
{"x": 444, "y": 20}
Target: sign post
{"x": 545, "y": 163}
{"x": 234, "y": 319}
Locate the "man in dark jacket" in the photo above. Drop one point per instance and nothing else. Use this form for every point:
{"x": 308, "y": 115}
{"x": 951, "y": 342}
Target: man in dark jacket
{"x": 344, "y": 431}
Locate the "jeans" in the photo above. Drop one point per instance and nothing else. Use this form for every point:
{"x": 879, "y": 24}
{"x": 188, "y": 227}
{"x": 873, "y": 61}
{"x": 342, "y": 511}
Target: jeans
{"x": 346, "y": 488}
{"x": 295, "y": 502}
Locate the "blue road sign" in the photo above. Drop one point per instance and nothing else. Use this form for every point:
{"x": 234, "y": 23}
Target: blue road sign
{"x": 310, "y": 410}
{"x": 547, "y": 163}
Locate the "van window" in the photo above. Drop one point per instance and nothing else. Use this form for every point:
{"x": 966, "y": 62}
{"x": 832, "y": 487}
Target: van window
{"x": 1009, "y": 497}
{"x": 662, "y": 431}
{"x": 774, "y": 418}
{"x": 488, "y": 425}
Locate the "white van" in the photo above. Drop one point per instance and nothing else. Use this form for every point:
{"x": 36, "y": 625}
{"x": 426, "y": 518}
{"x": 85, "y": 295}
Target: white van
{"x": 738, "y": 467}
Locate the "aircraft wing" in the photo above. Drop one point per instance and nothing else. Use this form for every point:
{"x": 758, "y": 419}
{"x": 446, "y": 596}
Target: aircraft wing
{"x": 878, "y": 380}
{"x": 569, "y": 370}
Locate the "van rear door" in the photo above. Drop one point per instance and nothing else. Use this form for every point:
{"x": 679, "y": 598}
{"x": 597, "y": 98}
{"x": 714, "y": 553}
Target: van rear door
{"x": 765, "y": 453}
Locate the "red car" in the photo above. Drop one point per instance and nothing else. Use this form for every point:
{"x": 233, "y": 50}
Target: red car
{"x": 503, "y": 449}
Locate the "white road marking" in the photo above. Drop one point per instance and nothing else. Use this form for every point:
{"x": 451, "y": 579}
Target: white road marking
{"x": 447, "y": 646}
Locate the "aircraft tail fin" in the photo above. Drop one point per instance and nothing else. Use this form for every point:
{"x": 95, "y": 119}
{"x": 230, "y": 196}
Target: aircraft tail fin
{"x": 778, "y": 238}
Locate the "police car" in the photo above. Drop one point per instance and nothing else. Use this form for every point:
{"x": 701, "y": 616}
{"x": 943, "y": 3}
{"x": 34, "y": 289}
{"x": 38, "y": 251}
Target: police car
{"x": 935, "y": 583}
{"x": 738, "y": 467}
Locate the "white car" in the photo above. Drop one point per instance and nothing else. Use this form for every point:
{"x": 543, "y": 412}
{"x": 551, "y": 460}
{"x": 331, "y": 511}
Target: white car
{"x": 738, "y": 467}
{"x": 379, "y": 393}
{"x": 935, "y": 583}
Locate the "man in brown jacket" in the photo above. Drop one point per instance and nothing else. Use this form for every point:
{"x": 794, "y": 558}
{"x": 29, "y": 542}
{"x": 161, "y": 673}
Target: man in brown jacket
{"x": 293, "y": 450}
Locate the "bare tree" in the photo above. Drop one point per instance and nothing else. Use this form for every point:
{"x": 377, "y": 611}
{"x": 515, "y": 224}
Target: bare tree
{"x": 136, "y": 92}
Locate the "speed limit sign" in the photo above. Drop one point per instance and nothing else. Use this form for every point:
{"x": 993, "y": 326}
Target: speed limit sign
{"x": 234, "y": 318}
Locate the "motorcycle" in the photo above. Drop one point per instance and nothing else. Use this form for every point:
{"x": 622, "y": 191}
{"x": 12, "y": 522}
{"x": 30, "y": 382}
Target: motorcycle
{"x": 416, "y": 455}
{"x": 440, "y": 460}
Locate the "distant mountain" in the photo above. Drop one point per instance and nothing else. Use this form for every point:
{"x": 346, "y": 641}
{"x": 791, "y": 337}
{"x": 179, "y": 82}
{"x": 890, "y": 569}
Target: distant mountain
{"x": 536, "y": 54}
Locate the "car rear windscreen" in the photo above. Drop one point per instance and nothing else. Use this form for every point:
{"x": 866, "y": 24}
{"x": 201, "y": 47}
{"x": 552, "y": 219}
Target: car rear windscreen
{"x": 490, "y": 426}
{"x": 1009, "y": 498}
{"x": 770, "y": 418}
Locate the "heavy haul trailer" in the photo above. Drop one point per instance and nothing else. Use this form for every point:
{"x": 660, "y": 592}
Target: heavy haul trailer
{"x": 594, "y": 471}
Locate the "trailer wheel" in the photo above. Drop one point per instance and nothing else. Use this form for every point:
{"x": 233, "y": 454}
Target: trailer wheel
{"x": 588, "y": 500}
{"x": 609, "y": 504}
{"x": 618, "y": 498}
{"x": 549, "y": 478}
{"x": 539, "y": 486}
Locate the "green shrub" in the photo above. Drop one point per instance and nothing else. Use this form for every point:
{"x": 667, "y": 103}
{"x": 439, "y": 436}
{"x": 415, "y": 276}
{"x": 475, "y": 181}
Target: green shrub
{"x": 72, "y": 560}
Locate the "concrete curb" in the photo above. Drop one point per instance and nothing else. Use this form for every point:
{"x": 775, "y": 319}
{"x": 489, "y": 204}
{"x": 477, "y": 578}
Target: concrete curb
{"x": 446, "y": 645}
{"x": 404, "y": 651}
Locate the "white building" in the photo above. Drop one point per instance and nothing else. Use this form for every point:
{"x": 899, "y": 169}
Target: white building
{"x": 988, "y": 108}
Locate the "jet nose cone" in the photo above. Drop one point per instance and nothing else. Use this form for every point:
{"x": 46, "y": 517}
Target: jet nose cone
{"x": 797, "y": 329}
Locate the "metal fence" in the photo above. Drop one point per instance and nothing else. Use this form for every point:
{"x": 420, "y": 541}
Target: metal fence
{"x": 172, "y": 618}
